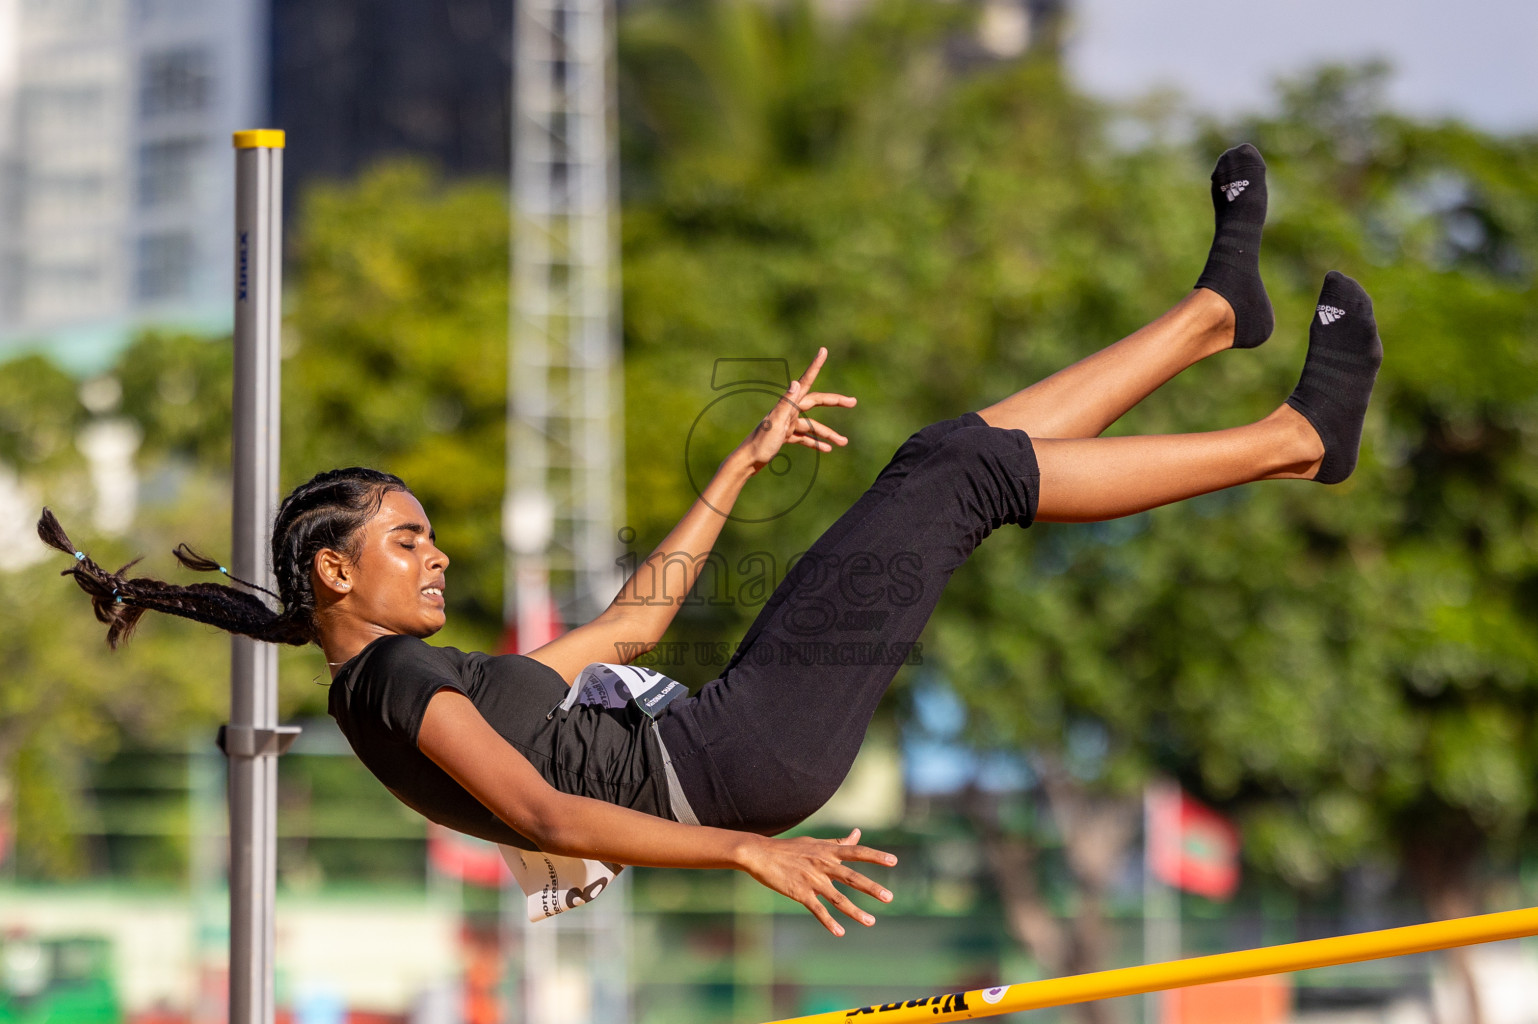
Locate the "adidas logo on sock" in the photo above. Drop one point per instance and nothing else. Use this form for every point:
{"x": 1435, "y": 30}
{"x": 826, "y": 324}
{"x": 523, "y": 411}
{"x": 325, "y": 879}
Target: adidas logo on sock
{"x": 1329, "y": 314}
{"x": 1233, "y": 188}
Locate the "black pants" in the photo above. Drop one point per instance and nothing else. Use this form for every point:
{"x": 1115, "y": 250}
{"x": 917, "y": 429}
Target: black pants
{"x": 769, "y": 742}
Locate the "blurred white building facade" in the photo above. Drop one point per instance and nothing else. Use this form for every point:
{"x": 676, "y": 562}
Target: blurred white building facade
{"x": 116, "y": 183}
{"x": 116, "y": 179}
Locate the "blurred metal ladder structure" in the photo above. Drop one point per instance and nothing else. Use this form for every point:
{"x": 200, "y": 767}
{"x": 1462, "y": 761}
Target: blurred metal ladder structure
{"x": 565, "y": 467}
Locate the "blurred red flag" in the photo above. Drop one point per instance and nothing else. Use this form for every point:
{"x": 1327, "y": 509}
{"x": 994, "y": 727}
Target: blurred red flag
{"x": 538, "y": 620}
{"x": 464, "y": 857}
{"x": 1190, "y": 846}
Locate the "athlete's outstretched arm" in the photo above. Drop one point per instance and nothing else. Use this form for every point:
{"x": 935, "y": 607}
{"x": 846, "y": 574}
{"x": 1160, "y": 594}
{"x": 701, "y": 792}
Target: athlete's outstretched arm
{"x": 462, "y": 743}
{"x": 636, "y": 619}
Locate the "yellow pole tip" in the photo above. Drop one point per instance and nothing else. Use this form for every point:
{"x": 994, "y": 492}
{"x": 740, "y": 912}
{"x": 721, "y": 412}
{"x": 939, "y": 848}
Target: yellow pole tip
{"x": 260, "y": 138}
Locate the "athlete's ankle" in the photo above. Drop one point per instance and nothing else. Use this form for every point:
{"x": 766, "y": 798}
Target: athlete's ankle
{"x": 1215, "y": 318}
{"x": 1299, "y": 449}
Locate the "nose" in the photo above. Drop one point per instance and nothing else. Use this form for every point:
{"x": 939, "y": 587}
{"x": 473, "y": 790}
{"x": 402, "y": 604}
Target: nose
{"x": 439, "y": 559}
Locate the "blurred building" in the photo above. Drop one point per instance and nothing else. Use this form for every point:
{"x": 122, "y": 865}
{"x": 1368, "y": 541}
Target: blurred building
{"x": 115, "y": 184}
{"x": 356, "y": 80}
{"x": 116, "y": 180}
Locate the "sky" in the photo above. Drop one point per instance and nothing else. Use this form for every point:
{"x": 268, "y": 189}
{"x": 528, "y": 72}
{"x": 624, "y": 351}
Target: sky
{"x": 1477, "y": 59}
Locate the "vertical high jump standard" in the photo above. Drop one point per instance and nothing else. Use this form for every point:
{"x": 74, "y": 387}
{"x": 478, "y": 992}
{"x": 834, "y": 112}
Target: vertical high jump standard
{"x": 253, "y": 739}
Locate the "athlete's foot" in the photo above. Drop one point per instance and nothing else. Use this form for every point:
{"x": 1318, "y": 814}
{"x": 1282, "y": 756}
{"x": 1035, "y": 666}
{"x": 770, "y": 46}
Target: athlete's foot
{"x": 1233, "y": 264}
{"x": 1344, "y": 353}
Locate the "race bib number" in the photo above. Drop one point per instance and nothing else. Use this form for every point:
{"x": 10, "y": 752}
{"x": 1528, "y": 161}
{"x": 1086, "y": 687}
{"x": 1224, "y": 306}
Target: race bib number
{"x": 554, "y": 884}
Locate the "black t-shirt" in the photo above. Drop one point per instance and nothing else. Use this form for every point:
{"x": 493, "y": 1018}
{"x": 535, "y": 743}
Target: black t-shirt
{"x": 381, "y": 694}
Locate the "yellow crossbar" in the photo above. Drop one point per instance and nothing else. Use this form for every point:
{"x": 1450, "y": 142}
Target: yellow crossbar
{"x": 1201, "y": 970}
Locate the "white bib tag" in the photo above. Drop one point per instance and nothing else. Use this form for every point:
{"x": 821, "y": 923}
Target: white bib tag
{"x": 555, "y": 884}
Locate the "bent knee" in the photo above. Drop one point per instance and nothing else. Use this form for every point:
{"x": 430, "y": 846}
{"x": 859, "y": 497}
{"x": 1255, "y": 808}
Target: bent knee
{"x": 992, "y": 471}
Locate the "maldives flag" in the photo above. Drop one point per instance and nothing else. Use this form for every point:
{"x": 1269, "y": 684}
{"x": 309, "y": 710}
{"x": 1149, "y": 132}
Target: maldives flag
{"x": 1190, "y": 846}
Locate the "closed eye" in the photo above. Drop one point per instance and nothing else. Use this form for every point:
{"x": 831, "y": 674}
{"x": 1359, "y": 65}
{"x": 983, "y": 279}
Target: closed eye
{"x": 415, "y": 528}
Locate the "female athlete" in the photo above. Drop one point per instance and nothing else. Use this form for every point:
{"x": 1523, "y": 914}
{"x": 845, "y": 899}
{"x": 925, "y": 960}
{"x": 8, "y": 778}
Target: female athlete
{"x": 486, "y": 744}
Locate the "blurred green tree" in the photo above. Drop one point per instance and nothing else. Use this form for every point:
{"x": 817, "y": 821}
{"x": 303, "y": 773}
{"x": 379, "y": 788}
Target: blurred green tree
{"x": 397, "y": 356}
{"x": 59, "y": 695}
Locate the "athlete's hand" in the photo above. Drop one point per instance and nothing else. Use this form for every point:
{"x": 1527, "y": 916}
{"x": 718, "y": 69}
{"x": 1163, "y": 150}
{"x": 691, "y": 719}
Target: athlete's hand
{"x": 787, "y": 423}
{"x": 805, "y": 869}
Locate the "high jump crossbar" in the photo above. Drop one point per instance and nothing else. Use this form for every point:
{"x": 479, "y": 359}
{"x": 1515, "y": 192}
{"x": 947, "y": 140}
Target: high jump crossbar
{"x": 1201, "y": 970}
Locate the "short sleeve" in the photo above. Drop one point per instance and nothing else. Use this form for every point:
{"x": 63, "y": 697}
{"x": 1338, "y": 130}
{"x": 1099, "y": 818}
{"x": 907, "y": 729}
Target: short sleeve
{"x": 400, "y": 680}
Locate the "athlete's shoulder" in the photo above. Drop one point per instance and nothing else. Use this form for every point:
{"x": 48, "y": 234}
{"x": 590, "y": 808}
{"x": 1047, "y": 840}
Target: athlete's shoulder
{"x": 390, "y": 654}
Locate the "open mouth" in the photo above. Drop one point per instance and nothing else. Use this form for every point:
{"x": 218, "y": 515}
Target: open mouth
{"x": 436, "y": 593}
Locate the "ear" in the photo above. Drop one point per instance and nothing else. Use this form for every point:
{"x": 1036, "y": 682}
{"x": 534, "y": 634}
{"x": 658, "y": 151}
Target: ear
{"x": 333, "y": 571}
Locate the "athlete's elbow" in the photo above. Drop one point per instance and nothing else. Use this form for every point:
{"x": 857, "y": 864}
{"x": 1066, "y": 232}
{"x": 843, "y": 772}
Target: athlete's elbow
{"x": 542, "y": 822}
{"x": 556, "y": 838}
{"x": 531, "y": 821}
{"x": 572, "y": 834}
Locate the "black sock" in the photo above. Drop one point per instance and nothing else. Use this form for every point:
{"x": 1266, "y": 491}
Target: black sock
{"x": 1233, "y": 265}
{"x": 1344, "y": 353}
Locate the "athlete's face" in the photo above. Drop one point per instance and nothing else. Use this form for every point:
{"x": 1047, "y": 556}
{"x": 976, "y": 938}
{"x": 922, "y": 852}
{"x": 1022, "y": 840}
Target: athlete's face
{"x": 397, "y": 580}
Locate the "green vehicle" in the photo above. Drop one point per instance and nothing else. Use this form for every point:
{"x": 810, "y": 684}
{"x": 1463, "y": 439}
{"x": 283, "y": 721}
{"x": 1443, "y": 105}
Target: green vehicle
{"x": 64, "y": 980}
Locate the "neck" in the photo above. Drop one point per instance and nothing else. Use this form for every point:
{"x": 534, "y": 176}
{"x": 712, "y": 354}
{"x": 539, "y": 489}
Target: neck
{"x": 341, "y": 641}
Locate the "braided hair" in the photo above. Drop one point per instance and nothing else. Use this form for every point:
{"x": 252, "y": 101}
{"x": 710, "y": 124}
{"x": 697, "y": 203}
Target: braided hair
{"x": 327, "y": 512}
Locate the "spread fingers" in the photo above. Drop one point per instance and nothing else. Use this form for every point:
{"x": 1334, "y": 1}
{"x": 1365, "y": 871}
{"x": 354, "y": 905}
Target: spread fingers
{"x": 846, "y": 906}
{"x": 820, "y": 912}
{"x": 855, "y": 880}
